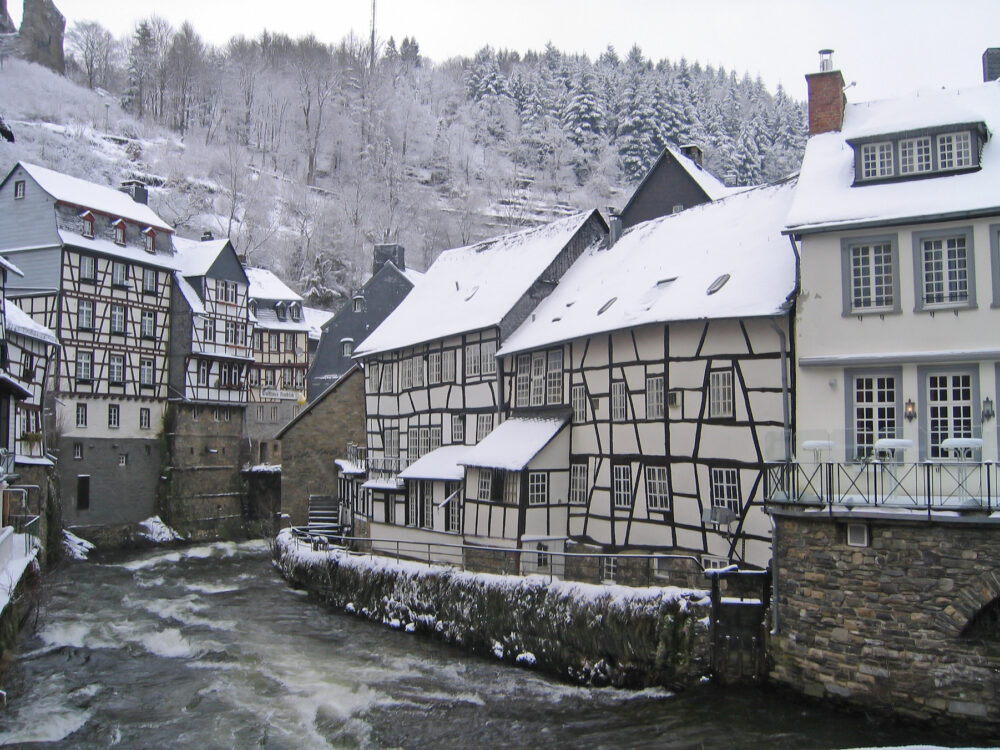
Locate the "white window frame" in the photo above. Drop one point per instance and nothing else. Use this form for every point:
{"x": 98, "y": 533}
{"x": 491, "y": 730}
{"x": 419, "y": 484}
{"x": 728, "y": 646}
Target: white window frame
{"x": 916, "y": 155}
{"x": 19, "y": 189}
{"x": 522, "y": 380}
{"x": 946, "y": 414}
{"x": 81, "y": 415}
{"x": 458, "y": 428}
{"x": 725, "y": 482}
{"x": 877, "y": 160}
{"x": 954, "y": 150}
{"x": 434, "y": 368}
{"x": 538, "y": 488}
{"x": 484, "y": 426}
{"x": 875, "y": 410}
{"x": 619, "y": 401}
{"x": 116, "y": 368}
{"x": 84, "y": 365}
{"x": 144, "y": 418}
{"x": 448, "y": 366}
{"x": 119, "y": 274}
{"x": 654, "y": 397}
{"x": 85, "y": 315}
{"x": 538, "y": 370}
{"x": 88, "y": 268}
{"x": 578, "y": 484}
{"x": 870, "y": 268}
{"x": 622, "y": 485}
{"x": 204, "y": 368}
{"x": 147, "y": 324}
{"x": 657, "y": 488}
{"x": 944, "y": 269}
{"x": 485, "y": 486}
{"x": 554, "y": 377}
{"x": 114, "y": 416}
{"x": 578, "y": 400}
{"x": 472, "y": 368}
{"x": 721, "y": 393}
{"x": 118, "y": 319}
{"x": 488, "y": 353}
{"x": 147, "y": 369}
{"x": 149, "y": 281}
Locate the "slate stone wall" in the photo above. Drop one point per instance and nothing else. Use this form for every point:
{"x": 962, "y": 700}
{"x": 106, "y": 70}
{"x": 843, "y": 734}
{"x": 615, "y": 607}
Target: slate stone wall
{"x": 885, "y": 626}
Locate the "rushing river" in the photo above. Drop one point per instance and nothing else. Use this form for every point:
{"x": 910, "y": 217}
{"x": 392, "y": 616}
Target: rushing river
{"x": 206, "y": 647}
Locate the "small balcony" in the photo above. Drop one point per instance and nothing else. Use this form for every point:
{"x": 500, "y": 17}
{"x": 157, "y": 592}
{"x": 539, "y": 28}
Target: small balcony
{"x": 386, "y": 469}
{"x": 356, "y": 455}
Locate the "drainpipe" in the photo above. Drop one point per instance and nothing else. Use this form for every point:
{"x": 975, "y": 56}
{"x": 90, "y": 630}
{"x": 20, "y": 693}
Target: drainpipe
{"x": 786, "y": 421}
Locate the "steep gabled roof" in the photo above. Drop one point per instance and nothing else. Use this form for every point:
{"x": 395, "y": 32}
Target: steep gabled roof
{"x": 77, "y": 192}
{"x": 711, "y": 186}
{"x": 828, "y": 199}
{"x": 265, "y": 285}
{"x": 662, "y": 271}
{"x": 196, "y": 257}
{"x": 473, "y": 287}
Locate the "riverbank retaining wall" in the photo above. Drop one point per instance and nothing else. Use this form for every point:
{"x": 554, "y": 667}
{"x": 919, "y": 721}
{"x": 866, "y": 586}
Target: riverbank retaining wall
{"x": 908, "y": 623}
{"x": 627, "y": 637}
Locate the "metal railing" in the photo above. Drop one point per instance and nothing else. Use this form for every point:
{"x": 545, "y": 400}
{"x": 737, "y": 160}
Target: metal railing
{"x": 28, "y": 527}
{"x": 385, "y": 467}
{"x": 594, "y": 567}
{"x": 7, "y": 457}
{"x": 972, "y": 486}
{"x": 356, "y": 454}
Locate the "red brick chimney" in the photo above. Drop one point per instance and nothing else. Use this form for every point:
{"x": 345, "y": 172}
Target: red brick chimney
{"x": 826, "y": 96}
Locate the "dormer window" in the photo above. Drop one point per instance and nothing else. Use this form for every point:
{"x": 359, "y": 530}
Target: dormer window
{"x": 280, "y": 311}
{"x": 87, "y": 224}
{"x": 359, "y": 304}
{"x": 149, "y": 240}
{"x": 119, "y": 226}
{"x": 294, "y": 310}
{"x": 18, "y": 190}
{"x": 252, "y": 306}
{"x": 918, "y": 154}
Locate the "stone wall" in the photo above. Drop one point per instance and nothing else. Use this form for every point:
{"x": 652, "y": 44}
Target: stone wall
{"x": 881, "y": 626}
{"x": 315, "y": 440}
{"x": 589, "y": 634}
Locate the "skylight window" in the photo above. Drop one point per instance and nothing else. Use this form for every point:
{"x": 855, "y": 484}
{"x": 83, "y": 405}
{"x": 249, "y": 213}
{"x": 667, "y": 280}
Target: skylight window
{"x": 717, "y": 284}
{"x": 606, "y": 305}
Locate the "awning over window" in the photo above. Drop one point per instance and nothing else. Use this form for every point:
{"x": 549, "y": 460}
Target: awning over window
{"x": 514, "y": 443}
{"x": 442, "y": 463}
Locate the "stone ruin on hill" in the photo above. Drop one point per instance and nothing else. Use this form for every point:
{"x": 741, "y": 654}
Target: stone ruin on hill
{"x": 40, "y": 38}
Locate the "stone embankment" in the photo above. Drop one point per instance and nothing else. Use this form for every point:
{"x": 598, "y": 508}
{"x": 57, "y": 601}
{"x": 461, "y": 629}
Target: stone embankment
{"x": 598, "y": 635}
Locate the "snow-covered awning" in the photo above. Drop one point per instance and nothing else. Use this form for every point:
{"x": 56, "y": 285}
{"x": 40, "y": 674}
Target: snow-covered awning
{"x": 348, "y": 467}
{"x": 514, "y": 443}
{"x": 443, "y": 463}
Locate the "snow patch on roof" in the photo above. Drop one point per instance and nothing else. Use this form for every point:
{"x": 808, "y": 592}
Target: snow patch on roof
{"x": 661, "y": 271}
{"x": 473, "y": 287}
{"x": 316, "y": 319}
{"x": 514, "y": 443}
{"x": 265, "y": 285}
{"x": 827, "y": 198}
{"x": 125, "y": 252}
{"x": 713, "y": 187}
{"x": 190, "y": 295}
{"x": 195, "y": 257}
{"x": 18, "y": 321}
{"x": 101, "y": 198}
{"x": 442, "y": 463}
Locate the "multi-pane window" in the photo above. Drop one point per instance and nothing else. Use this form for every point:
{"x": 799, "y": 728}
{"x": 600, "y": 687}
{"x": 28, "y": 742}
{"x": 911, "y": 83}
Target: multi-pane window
{"x": 537, "y": 397}
{"x": 453, "y": 519}
{"x": 144, "y": 418}
{"x": 434, "y": 368}
{"x": 622, "y": 486}
{"x": 484, "y": 426}
{"x": 81, "y": 415}
{"x": 578, "y": 484}
{"x": 119, "y": 232}
{"x": 84, "y": 365}
{"x": 945, "y": 264}
{"x": 654, "y": 397}
{"x": 511, "y": 487}
{"x": 876, "y": 160}
{"x": 448, "y": 366}
{"x": 949, "y": 410}
{"x": 413, "y": 443}
{"x": 208, "y": 330}
{"x": 538, "y": 488}
{"x": 88, "y": 268}
{"x": 289, "y": 342}
{"x": 87, "y": 225}
{"x": 18, "y": 190}
{"x": 657, "y": 491}
{"x": 203, "y": 368}
{"x": 435, "y": 438}
{"x": 726, "y": 489}
{"x": 554, "y": 377}
{"x": 457, "y": 428}
{"x": 27, "y": 366}
{"x": 954, "y": 150}
{"x": 875, "y": 412}
{"x": 114, "y": 416}
{"x": 619, "y": 401}
{"x": 915, "y": 155}
{"x": 720, "y": 394}
{"x": 85, "y": 314}
{"x": 485, "y": 490}
{"x": 489, "y": 353}
{"x": 418, "y": 371}
{"x": 472, "y": 360}
{"x": 147, "y": 326}
{"x": 347, "y": 347}
{"x": 522, "y": 379}
{"x": 412, "y": 502}
{"x": 232, "y": 333}
{"x": 149, "y": 281}
{"x": 609, "y": 569}
{"x": 872, "y": 276}
{"x": 119, "y": 274}
{"x": 578, "y": 400}
{"x": 390, "y": 442}
{"x": 427, "y": 504}
{"x": 149, "y": 241}
{"x": 274, "y": 342}
{"x": 77, "y": 451}
{"x": 388, "y": 377}
{"x": 118, "y": 319}
{"x": 145, "y": 371}
{"x": 116, "y": 368}
{"x": 425, "y": 441}
{"x": 359, "y": 304}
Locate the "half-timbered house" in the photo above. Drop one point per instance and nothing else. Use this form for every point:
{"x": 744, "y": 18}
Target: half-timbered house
{"x": 669, "y": 351}
{"x": 433, "y": 388}
{"x": 98, "y": 270}
{"x": 897, "y": 215}
{"x": 209, "y": 358}
{"x": 277, "y": 379}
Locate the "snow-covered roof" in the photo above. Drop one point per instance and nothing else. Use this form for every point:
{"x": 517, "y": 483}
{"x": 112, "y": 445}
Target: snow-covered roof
{"x": 195, "y": 257}
{"x": 473, "y": 287}
{"x": 265, "y": 285}
{"x": 6, "y": 264}
{"x": 713, "y": 187}
{"x": 348, "y": 467}
{"x": 18, "y": 321}
{"x": 125, "y": 252}
{"x": 316, "y": 319}
{"x": 190, "y": 295}
{"x": 267, "y": 318}
{"x": 90, "y": 195}
{"x": 661, "y": 271}
{"x": 826, "y": 197}
{"x": 514, "y": 443}
{"x": 442, "y": 463}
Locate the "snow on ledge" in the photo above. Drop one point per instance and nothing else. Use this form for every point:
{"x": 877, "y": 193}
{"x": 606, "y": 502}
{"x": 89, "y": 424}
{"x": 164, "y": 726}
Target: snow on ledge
{"x": 157, "y": 531}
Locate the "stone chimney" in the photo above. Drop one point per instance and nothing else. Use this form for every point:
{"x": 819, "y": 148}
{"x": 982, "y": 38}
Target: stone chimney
{"x": 692, "y": 152}
{"x": 991, "y": 64}
{"x": 614, "y": 225}
{"x": 387, "y": 252}
{"x": 137, "y": 190}
{"x": 826, "y": 96}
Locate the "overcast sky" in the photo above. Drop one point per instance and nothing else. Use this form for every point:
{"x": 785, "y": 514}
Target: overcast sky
{"x": 888, "y": 47}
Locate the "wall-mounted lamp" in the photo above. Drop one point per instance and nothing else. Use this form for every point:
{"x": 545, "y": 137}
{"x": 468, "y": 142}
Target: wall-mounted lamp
{"x": 910, "y": 410}
{"x": 988, "y": 412}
